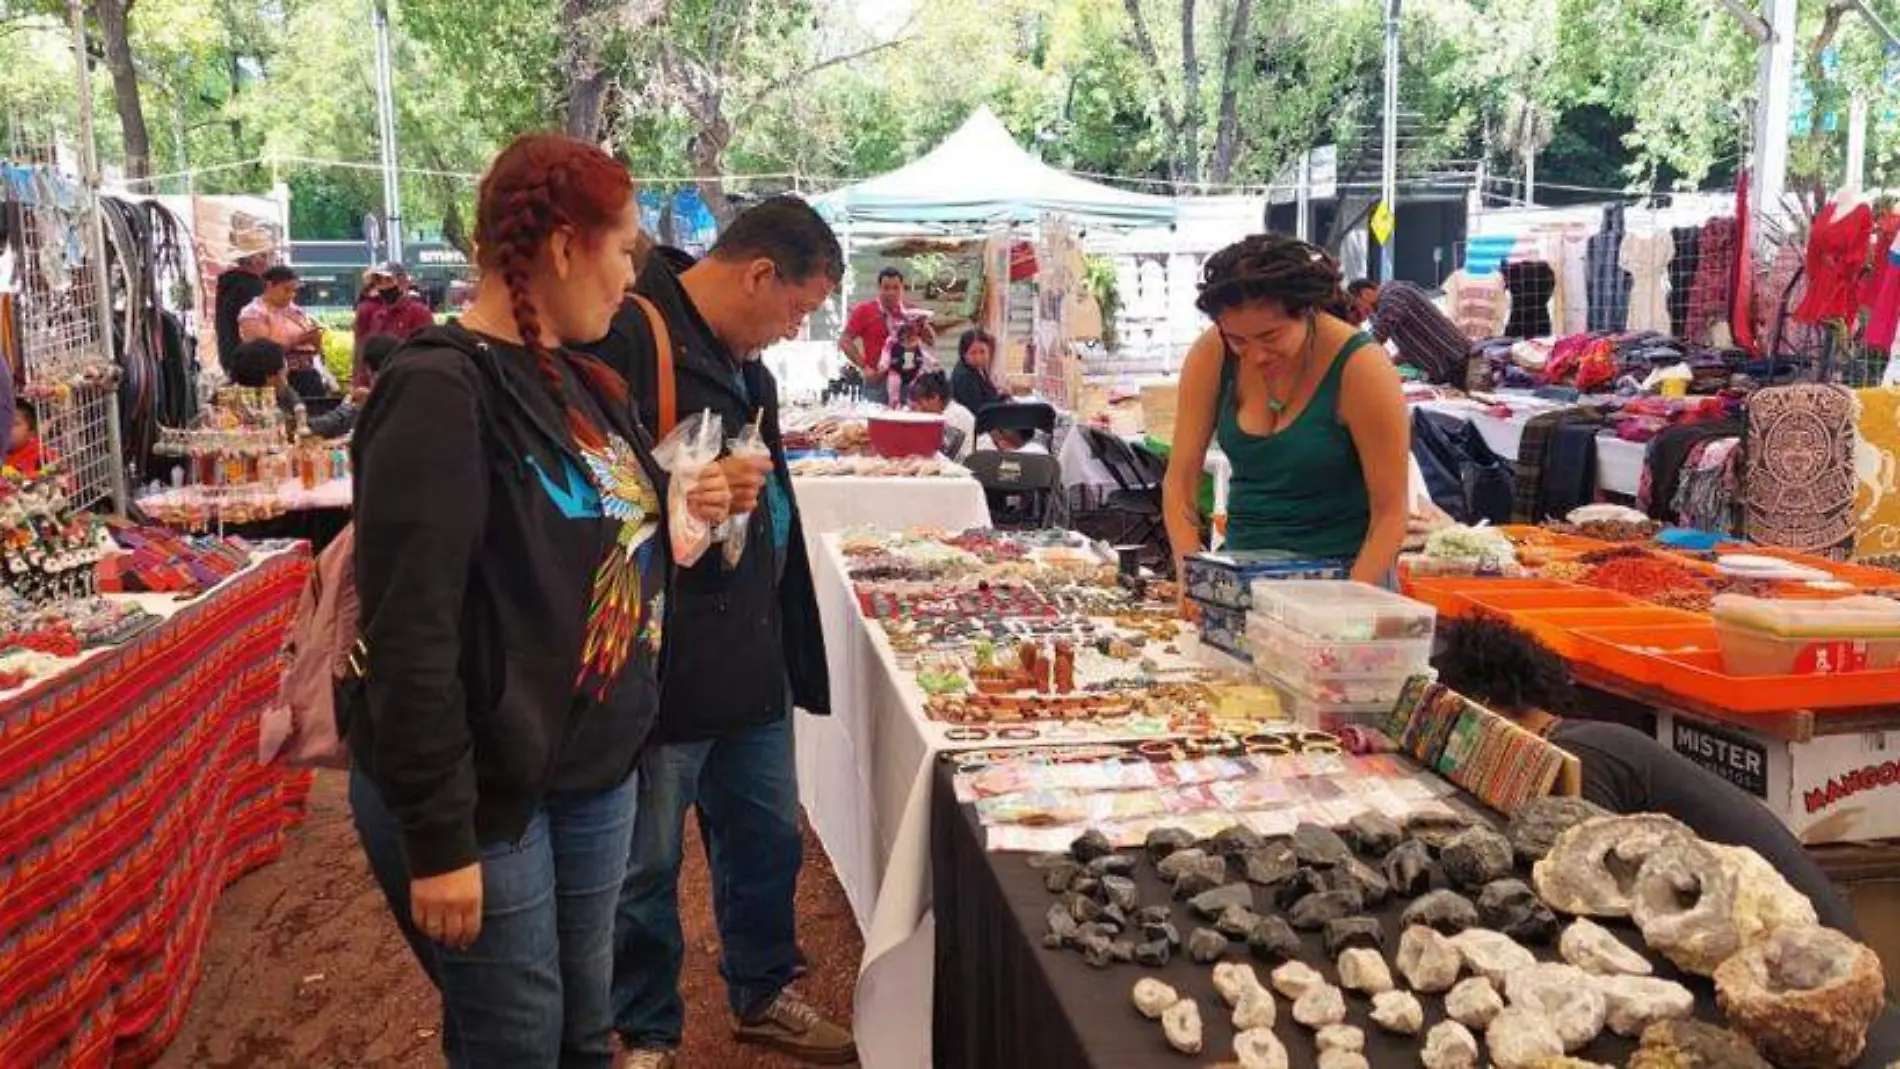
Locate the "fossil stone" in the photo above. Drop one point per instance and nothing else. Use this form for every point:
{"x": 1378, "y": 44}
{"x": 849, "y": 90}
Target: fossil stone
{"x": 1591, "y": 947}
{"x": 1450, "y": 1045}
{"x": 1684, "y": 901}
{"x": 1408, "y": 868}
{"x": 1080, "y": 906}
{"x": 1564, "y": 995}
{"x": 1162, "y": 842}
{"x": 1210, "y": 904}
{"x": 1319, "y": 846}
{"x": 1259, "y": 1048}
{"x": 1341, "y": 1037}
{"x": 1373, "y": 834}
{"x": 1206, "y": 946}
{"x": 1273, "y": 940}
{"x": 1295, "y": 979}
{"x": 1090, "y": 845}
{"x": 1255, "y": 1010}
{"x": 1181, "y": 1023}
{"x": 1591, "y": 869}
{"x": 1511, "y": 907}
{"x": 1235, "y": 840}
{"x": 1175, "y": 862}
{"x": 1155, "y": 953}
{"x": 1694, "y": 1045}
{"x": 1320, "y": 1006}
{"x": 1152, "y": 996}
{"x": 1343, "y": 1059}
{"x": 1475, "y": 857}
{"x": 1059, "y": 877}
{"x": 1428, "y": 961}
{"x": 1232, "y": 979}
{"x": 1398, "y": 1011}
{"x": 1313, "y": 911}
{"x": 1445, "y": 911}
{"x": 1474, "y": 1003}
{"x": 1522, "y": 1038}
{"x": 1492, "y": 955}
{"x": 1270, "y": 864}
{"x": 1364, "y": 971}
{"x": 1201, "y": 875}
{"x": 1537, "y": 823}
{"x": 1636, "y": 1002}
{"x": 1112, "y": 865}
{"x": 1435, "y": 830}
{"x": 1062, "y": 927}
{"x": 1348, "y": 932}
{"x": 1804, "y": 996}
{"x": 1236, "y": 922}
{"x": 1355, "y": 875}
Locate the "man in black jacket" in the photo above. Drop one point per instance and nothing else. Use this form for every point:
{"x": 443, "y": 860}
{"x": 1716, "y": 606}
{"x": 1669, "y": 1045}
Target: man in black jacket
{"x": 238, "y": 286}
{"x": 744, "y": 645}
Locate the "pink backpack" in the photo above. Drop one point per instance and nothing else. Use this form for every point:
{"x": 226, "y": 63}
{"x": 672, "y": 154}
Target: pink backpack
{"x": 320, "y": 652}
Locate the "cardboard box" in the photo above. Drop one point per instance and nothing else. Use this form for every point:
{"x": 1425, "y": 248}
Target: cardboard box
{"x": 1831, "y": 789}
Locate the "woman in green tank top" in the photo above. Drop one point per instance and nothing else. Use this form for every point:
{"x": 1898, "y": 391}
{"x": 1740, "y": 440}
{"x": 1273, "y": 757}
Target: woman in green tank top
{"x": 1307, "y": 409}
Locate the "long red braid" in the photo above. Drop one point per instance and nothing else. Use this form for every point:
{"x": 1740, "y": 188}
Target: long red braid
{"x": 540, "y": 184}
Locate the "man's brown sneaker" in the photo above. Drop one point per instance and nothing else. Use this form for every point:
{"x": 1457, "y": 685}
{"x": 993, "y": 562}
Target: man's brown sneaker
{"x": 790, "y": 1026}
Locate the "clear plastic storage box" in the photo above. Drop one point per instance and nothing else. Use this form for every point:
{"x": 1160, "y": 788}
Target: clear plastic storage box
{"x": 1226, "y": 579}
{"x": 1761, "y": 637}
{"x": 1297, "y": 656}
{"x": 1343, "y": 612}
{"x": 1331, "y": 716}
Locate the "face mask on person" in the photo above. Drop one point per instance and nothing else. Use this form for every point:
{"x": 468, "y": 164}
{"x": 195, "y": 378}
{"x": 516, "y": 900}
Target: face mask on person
{"x": 390, "y": 295}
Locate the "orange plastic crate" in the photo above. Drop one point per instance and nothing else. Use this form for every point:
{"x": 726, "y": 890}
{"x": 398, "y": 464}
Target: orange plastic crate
{"x": 1562, "y": 596}
{"x": 1557, "y": 628}
{"x": 1700, "y": 676}
{"x": 1636, "y": 653}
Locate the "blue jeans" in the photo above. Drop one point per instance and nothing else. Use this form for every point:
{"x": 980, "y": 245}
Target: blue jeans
{"x": 746, "y": 790}
{"x": 533, "y": 992}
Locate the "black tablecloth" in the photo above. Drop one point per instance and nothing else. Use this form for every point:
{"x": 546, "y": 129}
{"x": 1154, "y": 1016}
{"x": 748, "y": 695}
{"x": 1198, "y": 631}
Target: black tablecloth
{"x": 1002, "y": 1000}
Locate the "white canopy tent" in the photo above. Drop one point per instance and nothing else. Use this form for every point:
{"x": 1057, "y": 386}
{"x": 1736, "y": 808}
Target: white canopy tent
{"x": 980, "y": 175}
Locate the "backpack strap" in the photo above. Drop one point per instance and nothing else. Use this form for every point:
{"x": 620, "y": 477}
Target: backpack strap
{"x": 667, "y": 386}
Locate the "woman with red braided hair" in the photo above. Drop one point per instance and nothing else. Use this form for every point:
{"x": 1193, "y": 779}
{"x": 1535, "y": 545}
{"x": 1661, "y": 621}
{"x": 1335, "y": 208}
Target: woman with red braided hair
{"x": 511, "y": 565}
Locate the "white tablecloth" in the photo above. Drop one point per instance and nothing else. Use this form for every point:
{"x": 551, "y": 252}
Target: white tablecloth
{"x": 333, "y": 494}
{"x": 1619, "y": 463}
{"x": 828, "y": 504}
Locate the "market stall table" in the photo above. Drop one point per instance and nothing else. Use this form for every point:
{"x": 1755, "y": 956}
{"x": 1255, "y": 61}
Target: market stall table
{"x": 1002, "y": 1000}
{"x": 828, "y": 504}
{"x": 130, "y": 795}
{"x": 1619, "y": 463}
{"x": 315, "y": 514}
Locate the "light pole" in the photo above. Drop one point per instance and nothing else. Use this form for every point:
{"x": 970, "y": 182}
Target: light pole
{"x": 1389, "y": 185}
{"x": 386, "y": 122}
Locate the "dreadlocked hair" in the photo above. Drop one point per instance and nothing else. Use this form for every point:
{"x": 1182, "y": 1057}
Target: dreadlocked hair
{"x": 1299, "y": 277}
{"x": 1490, "y": 660}
{"x": 540, "y": 184}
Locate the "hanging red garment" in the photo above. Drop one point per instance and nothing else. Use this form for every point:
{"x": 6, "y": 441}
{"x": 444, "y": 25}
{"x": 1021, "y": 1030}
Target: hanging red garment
{"x": 1879, "y": 266}
{"x": 1741, "y": 306}
{"x": 1837, "y": 257}
{"x": 1883, "y": 319}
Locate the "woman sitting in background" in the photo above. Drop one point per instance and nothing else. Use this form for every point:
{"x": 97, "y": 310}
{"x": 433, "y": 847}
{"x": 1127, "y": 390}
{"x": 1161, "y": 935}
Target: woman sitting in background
{"x": 970, "y": 383}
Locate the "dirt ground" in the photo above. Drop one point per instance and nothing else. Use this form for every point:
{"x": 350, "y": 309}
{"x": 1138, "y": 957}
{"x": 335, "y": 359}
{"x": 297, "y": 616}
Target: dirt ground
{"x": 305, "y": 968}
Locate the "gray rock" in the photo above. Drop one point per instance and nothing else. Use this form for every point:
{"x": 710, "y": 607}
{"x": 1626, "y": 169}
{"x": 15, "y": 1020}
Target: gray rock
{"x": 1163, "y": 842}
{"x": 1122, "y": 950}
{"x": 1312, "y": 912}
{"x": 1538, "y": 822}
{"x": 1098, "y": 951}
{"x": 1165, "y": 931}
{"x": 1476, "y": 857}
{"x": 1271, "y": 864}
{"x": 1113, "y": 917}
{"x": 1147, "y": 915}
{"x": 1434, "y": 830}
{"x": 1236, "y": 922}
{"x": 1350, "y": 932}
{"x": 1200, "y": 877}
{"x": 1428, "y": 960}
{"x": 1273, "y": 941}
{"x": 1511, "y": 907}
{"x": 1408, "y": 868}
{"x": 1444, "y": 911}
{"x": 1059, "y": 877}
{"x": 1319, "y": 847}
{"x": 1062, "y": 927}
{"x": 1303, "y": 882}
{"x": 1356, "y": 875}
{"x": 1176, "y": 862}
{"x": 1206, "y": 946}
{"x": 1373, "y": 834}
{"x": 1154, "y": 954}
{"x": 1235, "y": 840}
{"x": 1121, "y": 891}
{"x": 1090, "y": 845}
{"x": 1112, "y": 865}
{"x": 1083, "y": 908}
{"x": 1084, "y": 884}
{"x": 1210, "y": 904}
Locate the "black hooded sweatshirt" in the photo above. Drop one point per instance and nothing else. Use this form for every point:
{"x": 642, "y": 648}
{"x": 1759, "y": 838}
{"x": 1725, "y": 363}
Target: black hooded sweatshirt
{"x": 478, "y": 538}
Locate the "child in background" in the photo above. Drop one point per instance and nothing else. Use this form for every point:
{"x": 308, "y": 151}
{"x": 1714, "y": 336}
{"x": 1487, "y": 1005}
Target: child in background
{"x": 24, "y": 452}
{"x": 905, "y": 358}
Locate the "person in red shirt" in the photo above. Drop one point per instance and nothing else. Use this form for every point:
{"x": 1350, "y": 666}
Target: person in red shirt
{"x": 868, "y": 330}
{"x": 387, "y": 306}
{"x": 24, "y": 453}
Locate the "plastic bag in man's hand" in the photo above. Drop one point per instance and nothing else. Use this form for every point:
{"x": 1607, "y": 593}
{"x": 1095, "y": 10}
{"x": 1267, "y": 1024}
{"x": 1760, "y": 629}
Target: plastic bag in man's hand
{"x": 693, "y": 444}
{"x": 750, "y": 443}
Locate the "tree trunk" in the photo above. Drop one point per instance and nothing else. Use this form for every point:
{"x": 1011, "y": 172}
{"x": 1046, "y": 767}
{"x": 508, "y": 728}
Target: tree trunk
{"x": 1164, "y": 95}
{"x": 113, "y": 16}
{"x": 1227, "y": 136}
{"x": 1817, "y": 73}
{"x": 583, "y": 62}
{"x": 1190, "y": 94}
{"x": 707, "y": 148}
